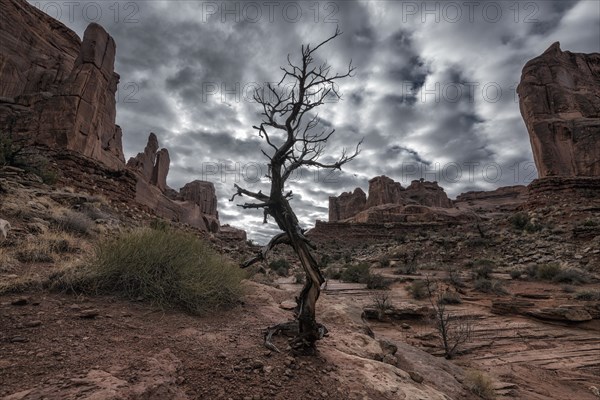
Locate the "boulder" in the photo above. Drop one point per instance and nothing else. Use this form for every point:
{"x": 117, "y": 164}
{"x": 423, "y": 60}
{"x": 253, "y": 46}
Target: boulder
{"x": 559, "y": 98}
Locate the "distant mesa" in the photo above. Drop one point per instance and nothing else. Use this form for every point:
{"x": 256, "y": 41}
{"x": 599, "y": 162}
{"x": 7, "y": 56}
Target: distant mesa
{"x": 388, "y": 201}
{"x": 58, "y": 94}
{"x": 559, "y": 98}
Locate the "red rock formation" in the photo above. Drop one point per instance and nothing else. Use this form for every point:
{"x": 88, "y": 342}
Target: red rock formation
{"x": 346, "y": 205}
{"x": 63, "y": 97}
{"x": 58, "y": 93}
{"x": 506, "y": 198}
{"x": 560, "y": 102}
{"x": 201, "y": 193}
{"x": 427, "y": 194}
{"x": 384, "y": 190}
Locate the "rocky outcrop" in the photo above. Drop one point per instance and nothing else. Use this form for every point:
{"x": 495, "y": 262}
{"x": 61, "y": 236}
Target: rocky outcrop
{"x": 347, "y": 205}
{"x": 58, "y": 94}
{"x": 201, "y": 193}
{"x": 384, "y": 190}
{"x": 505, "y": 199}
{"x": 559, "y": 98}
{"x": 428, "y": 194}
{"x": 388, "y": 201}
{"x": 64, "y": 97}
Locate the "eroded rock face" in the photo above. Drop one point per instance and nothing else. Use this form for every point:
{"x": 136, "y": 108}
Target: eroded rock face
{"x": 347, "y": 205}
{"x": 384, "y": 190}
{"x": 60, "y": 92}
{"x": 507, "y": 198}
{"x": 428, "y": 194}
{"x": 559, "y": 98}
{"x": 201, "y": 193}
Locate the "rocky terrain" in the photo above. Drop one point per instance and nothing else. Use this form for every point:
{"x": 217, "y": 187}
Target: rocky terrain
{"x": 517, "y": 269}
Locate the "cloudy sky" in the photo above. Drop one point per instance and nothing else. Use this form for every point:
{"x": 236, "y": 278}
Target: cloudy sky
{"x": 433, "y": 95}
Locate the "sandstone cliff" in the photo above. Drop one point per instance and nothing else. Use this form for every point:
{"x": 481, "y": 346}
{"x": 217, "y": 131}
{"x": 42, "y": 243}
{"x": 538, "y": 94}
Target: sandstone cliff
{"x": 388, "y": 201}
{"x": 560, "y": 102}
{"x": 58, "y": 94}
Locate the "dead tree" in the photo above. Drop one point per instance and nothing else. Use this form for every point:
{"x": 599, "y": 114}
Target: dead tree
{"x": 290, "y": 128}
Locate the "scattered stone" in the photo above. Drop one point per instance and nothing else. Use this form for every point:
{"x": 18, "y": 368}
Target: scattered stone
{"x": 89, "y": 313}
{"x": 415, "y": 376}
{"x": 288, "y": 305}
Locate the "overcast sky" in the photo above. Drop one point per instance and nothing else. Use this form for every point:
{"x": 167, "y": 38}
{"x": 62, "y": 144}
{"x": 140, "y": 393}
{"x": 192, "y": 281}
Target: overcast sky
{"x": 433, "y": 95}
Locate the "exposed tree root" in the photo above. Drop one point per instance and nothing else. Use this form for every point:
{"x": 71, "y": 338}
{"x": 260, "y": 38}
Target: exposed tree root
{"x": 300, "y": 343}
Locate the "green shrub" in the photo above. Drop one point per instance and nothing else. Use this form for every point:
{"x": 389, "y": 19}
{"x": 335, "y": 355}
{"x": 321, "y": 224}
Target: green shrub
{"x": 356, "y": 273}
{"x": 333, "y": 273}
{"x": 167, "y": 268}
{"x": 489, "y": 286}
{"x": 588, "y": 295}
{"x": 519, "y": 220}
{"x": 418, "y": 290}
{"x": 384, "y": 261}
{"x": 547, "y": 271}
{"x": 590, "y": 222}
{"x": 324, "y": 261}
{"x": 515, "y": 273}
{"x": 377, "y": 281}
{"x": 483, "y": 269}
{"x": 280, "y": 266}
{"x": 572, "y": 276}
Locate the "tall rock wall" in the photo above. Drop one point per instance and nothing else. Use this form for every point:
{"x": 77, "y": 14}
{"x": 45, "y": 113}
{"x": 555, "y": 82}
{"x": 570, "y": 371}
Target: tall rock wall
{"x": 58, "y": 93}
{"x": 56, "y": 90}
{"x": 384, "y": 190}
{"x": 346, "y": 205}
{"x": 559, "y": 98}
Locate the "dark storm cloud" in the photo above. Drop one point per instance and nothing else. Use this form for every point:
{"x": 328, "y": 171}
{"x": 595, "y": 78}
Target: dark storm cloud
{"x": 423, "y": 96}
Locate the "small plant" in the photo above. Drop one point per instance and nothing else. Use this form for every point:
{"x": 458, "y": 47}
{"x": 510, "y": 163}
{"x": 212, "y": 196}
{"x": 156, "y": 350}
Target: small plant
{"x": 489, "y": 286}
{"x": 588, "y": 295}
{"x": 572, "y": 276}
{"x": 453, "y": 331}
{"x": 347, "y": 257}
{"x": 480, "y": 385}
{"x": 332, "y": 273}
{"x": 300, "y": 277}
{"x": 483, "y": 269}
{"x": 384, "y": 261}
{"x": 74, "y": 222}
{"x": 324, "y": 261}
{"x": 418, "y": 290}
{"x": 159, "y": 224}
{"x": 382, "y": 303}
{"x": 519, "y": 220}
{"x": 516, "y": 273}
{"x": 590, "y": 222}
{"x": 280, "y": 266}
{"x": 355, "y": 273}
{"x": 547, "y": 271}
{"x": 377, "y": 282}
{"x": 455, "y": 278}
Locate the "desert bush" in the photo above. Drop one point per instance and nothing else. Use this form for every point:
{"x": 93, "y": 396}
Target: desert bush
{"x": 384, "y": 261}
{"x": 407, "y": 269}
{"x": 347, "y": 257}
{"x": 376, "y": 281}
{"x": 480, "y": 385}
{"x": 478, "y": 242}
{"x": 454, "y": 277}
{"x": 483, "y": 269}
{"x": 158, "y": 224}
{"x": 589, "y": 222}
{"x": 7, "y": 261}
{"x": 74, "y": 222}
{"x": 280, "y": 266}
{"x": 547, "y": 271}
{"x": 572, "y": 276}
{"x": 515, "y": 273}
{"x": 382, "y": 302}
{"x": 333, "y": 273}
{"x": 300, "y": 277}
{"x": 324, "y": 260}
{"x": 418, "y": 290}
{"x": 356, "y": 273}
{"x": 519, "y": 220}
{"x": 167, "y": 268}
{"x": 449, "y": 297}
{"x": 588, "y": 295}
{"x": 489, "y": 286}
